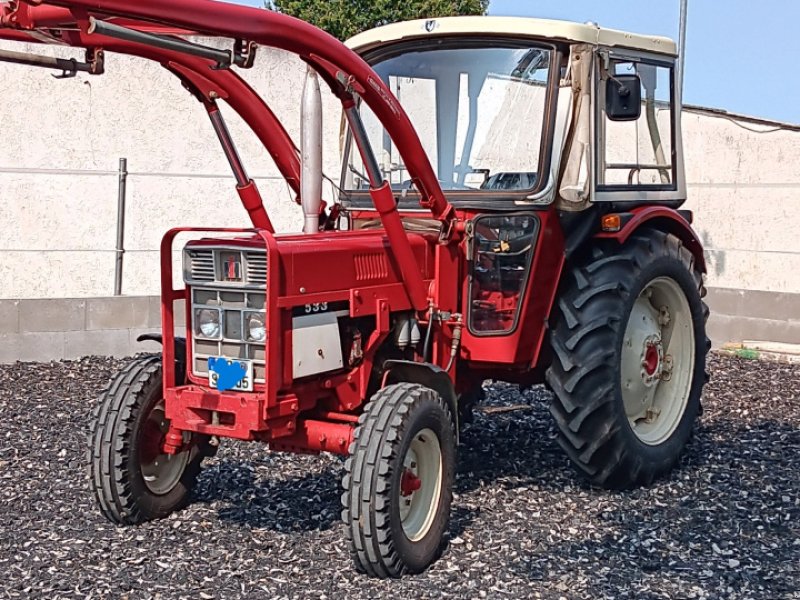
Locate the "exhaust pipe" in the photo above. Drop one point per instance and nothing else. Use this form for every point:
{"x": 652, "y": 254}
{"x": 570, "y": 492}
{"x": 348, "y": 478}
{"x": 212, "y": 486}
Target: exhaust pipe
{"x": 311, "y": 152}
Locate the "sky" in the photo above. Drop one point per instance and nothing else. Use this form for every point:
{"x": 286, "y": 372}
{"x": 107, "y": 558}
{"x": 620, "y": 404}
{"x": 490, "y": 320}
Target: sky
{"x": 740, "y": 54}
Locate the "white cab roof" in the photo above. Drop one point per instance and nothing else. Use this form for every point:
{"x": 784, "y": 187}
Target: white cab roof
{"x": 511, "y": 27}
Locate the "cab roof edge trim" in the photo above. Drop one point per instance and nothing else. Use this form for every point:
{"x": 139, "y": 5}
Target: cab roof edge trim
{"x": 584, "y": 33}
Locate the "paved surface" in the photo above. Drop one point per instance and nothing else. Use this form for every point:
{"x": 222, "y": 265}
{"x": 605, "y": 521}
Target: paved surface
{"x": 726, "y": 524}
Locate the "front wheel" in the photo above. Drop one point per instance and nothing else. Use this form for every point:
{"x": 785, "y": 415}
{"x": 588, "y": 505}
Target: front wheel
{"x": 630, "y": 347}
{"x": 132, "y": 478}
{"x": 398, "y": 481}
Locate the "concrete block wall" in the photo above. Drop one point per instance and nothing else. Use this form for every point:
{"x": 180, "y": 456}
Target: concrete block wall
{"x": 738, "y": 315}
{"x": 743, "y": 185}
{"x": 53, "y": 329}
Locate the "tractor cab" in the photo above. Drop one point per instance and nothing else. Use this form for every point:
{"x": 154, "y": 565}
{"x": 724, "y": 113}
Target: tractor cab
{"x": 518, "y": 113}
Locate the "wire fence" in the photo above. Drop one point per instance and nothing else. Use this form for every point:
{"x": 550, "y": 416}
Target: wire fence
{"x": 123, "y": 175}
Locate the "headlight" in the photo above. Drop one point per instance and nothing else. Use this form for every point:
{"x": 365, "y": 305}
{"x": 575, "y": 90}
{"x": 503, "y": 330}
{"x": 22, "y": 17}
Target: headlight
{"x": 206, "y": 322}
{"x": 256, "y": 328}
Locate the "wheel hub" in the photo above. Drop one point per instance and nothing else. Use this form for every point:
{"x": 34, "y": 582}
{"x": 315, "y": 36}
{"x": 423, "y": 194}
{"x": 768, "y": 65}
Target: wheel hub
{"x": 152, "y": 440}
{"x": 160, "y": 471}
{"x": 409, "y": 483}
{"x": 420, "y": 484}
{"x": 643, "y": 354}
{"x": 652, "y": 360}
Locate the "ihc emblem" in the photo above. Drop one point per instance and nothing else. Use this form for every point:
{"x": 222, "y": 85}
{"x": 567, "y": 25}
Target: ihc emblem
{"x": 232, "y": 268}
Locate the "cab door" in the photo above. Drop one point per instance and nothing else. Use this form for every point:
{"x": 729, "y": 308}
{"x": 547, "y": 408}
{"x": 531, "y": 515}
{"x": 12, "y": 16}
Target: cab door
{"x": 514, "y": 264}
{"x": 502, "y": 249}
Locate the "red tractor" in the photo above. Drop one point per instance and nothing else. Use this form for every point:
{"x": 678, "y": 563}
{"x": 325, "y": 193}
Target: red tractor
{"x": 509, "y": 210}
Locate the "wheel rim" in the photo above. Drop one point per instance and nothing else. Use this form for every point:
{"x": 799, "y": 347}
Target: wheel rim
{"x": 161, "y": 471}
{"x": 657, "y": 361}
{"x": 420, "y": 484}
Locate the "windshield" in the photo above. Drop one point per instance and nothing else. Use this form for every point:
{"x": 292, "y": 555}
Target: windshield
{"x": 479, "y": 113}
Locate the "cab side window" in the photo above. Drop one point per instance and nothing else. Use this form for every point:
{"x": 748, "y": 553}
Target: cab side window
{"x": 635, "y": 126}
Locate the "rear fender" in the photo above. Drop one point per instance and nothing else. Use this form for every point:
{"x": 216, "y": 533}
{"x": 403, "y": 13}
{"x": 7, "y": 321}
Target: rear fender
{"x": 426, "y": 374}
{"x": 664, "y": 219}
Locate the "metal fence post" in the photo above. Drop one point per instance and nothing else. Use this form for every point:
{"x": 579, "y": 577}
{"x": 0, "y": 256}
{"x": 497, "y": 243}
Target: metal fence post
{"x": 120, "y": 249}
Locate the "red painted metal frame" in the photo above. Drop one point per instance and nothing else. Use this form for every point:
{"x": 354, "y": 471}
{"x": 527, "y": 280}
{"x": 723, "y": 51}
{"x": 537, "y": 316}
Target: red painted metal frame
{"x": 185, "y": 403}
{"x": 288, "y": 414}
{"x": 666, "y": 219}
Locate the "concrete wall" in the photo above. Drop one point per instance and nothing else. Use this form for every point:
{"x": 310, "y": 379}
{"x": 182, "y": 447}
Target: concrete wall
{"x": 55, "y": 328}
{"x": 743, "y": 185}
{"x": 62, "y": 142}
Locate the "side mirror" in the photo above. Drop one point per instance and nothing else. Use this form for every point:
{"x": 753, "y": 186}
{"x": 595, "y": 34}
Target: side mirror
{"x": 624, "y": 98}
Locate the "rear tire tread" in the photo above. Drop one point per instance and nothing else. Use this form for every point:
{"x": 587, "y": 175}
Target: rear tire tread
{"x": 582, "y": 373}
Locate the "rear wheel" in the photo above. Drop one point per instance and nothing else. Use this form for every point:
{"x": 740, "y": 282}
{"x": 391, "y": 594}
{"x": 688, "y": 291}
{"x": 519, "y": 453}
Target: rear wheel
{"x": 398, "y": 481}
{"x": 133, "y": 479}
{"x": 629, "y": 368}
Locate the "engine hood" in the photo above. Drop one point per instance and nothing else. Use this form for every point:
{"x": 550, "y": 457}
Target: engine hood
{"x": 341, "y": 261}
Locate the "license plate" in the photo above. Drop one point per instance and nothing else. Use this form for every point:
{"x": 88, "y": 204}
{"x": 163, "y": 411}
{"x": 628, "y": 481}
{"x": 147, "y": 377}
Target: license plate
{"x": 244, "y": 385}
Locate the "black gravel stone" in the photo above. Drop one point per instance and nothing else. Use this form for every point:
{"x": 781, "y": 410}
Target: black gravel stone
{"x": 725, "y": 524}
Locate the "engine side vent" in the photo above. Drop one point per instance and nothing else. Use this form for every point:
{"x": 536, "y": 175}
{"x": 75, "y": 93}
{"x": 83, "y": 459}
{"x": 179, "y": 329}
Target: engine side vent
{"x": 370, "y": 266}
{"x": 256, "y": 267}
{"x": 201, "y": 265}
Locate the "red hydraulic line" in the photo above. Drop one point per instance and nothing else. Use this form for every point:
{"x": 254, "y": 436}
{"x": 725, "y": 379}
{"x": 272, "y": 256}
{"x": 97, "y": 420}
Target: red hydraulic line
{"x": 251, "y": 200}
{"x": 385, "y": 204}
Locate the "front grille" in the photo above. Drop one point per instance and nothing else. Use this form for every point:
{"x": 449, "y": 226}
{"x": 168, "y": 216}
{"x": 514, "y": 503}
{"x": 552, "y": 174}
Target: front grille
{"x": 256, "y": 265}
{"x": 225, "y": 266}
{"x": 232, "y": 341}
{"x": 231, "y": 282}
{"x": 201, "y": 265}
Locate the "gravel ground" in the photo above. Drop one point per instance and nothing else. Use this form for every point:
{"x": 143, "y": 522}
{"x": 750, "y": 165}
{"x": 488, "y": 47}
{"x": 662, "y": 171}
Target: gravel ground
{"x": 726, "y": 524}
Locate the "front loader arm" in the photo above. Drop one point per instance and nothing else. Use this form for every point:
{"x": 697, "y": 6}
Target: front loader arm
{"x": 315, "y": 46}
{"x": 327, "y": 54}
